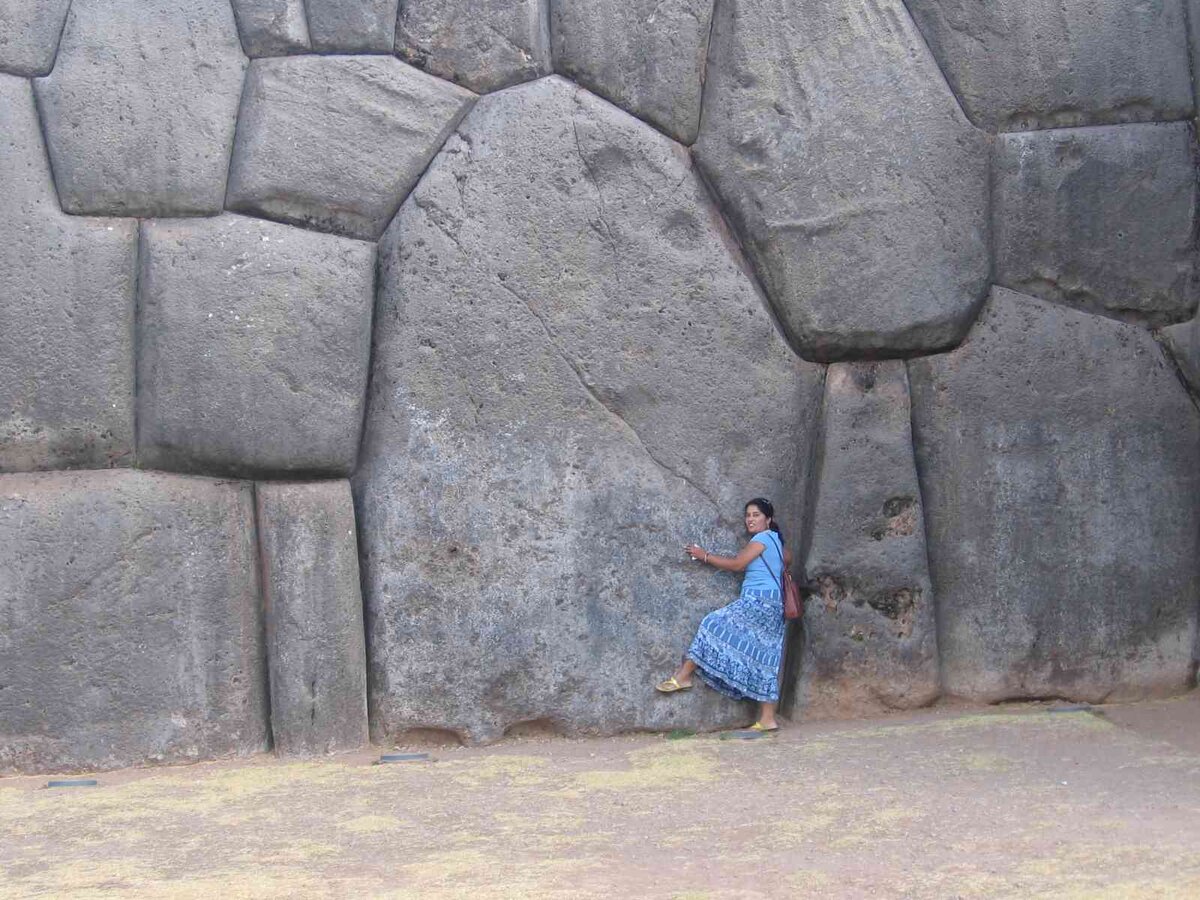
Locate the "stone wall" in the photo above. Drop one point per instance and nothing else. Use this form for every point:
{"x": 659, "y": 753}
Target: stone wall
{"x": 364, "y": 366}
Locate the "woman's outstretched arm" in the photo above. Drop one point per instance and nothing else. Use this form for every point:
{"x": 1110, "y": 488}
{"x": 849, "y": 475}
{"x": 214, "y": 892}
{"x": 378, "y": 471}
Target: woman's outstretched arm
{"x": 738, "y": 563}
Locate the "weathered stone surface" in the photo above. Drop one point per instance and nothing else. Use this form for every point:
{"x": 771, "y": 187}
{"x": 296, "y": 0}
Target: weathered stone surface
{"x": 858, "y": 186}
{"x": 1026, "y": 64}
{"x": 29, "y": 33}
{"x": 647, "y": 58}
{"x": 869, "y": 628}
{"x": 253, "y": 346}
{"x": 140, "y": 108}
{"x": 1183, "y": 343}
{"x": 315, "y": 645}
{"x": 572, "y": 378}
{"x": 1100, "y": 218}
{"x": 336, "y": 143}
{"x": 132, "y": 622}
{"x": 352, "y": 26}
{"x": 66, "y": 313}
{"x": 1057, "y": 454}
{"x": 482, "y": 44}
{"x": 271, "y": 27}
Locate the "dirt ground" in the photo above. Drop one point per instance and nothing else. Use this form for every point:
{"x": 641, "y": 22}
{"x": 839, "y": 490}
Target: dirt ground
{"x": 1011, "y": 802}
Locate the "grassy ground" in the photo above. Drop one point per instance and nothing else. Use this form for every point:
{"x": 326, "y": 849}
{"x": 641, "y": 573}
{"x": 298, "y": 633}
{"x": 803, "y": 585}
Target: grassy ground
{"x": 1017, "y": 802}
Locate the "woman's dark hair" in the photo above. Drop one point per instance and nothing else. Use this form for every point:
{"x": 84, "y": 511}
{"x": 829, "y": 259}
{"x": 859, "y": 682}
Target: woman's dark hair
{"x": 767, "y": 508}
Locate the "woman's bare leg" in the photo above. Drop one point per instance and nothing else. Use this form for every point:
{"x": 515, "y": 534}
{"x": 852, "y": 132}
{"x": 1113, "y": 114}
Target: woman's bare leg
{"x": 684, "y": 673}
{"x": 766, "y": 715}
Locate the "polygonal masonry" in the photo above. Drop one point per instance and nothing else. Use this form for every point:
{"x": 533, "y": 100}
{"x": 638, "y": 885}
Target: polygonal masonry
{"x": 481, "y": 44}
{"x": 271, "y": 27}
{"x": 573, "y": 377}
{"x": 1183, "y": 342}
{"x": 1057, "y": 453}
{"x": 133, "y": 624}
{"x": 336, "y": 143}
{"x": 1100, "y": 218}
{"x": 870, "y": 633}
{"x": 352, "y": 26}
{"x": 29, "y": 33}
{"x": 1020, "y": 65}
{"x": 66, "y": 313}
{"x": 141, "y": 106}
{"x": 858, "y": 187}
{"x": 646, "y": 58}
{"x": 253, "y": 343}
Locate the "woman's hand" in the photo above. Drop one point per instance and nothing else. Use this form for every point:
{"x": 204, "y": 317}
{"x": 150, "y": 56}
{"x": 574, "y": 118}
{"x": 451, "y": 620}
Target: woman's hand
{"x": 695, "y": 551}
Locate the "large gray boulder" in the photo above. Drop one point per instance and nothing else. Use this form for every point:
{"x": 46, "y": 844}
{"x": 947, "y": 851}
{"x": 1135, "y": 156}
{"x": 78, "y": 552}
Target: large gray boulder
{"x": 858, "y": 186}
{"x": 571, "y": 380}
{"x": 66, "y": 313}
{"x": 315, "y": 646}
{"x": 1027, "y": 64}
{"x": 133, "y": 625}
{"x": 29, "y": 33}
{"x": 1100, "y": 218}
{"x": 336, "y": 143}
{"x": 1057, "y": 453}
{"x": 870, "y": 636}
{"x": 253, "y": 345}
{"x": 352, "y": 26}
{"x": 140, "y": 108}
{"x": 646, "y": 57}
{"x": 484, "y": 45}
{"x": 271, "y": 27}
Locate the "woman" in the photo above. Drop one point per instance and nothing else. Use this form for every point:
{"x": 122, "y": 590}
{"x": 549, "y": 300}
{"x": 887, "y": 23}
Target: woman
{"x": 738, "y": 648}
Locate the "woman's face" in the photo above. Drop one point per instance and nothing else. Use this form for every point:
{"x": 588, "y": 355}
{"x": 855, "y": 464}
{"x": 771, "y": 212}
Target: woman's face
{"x": 756, "y": 521}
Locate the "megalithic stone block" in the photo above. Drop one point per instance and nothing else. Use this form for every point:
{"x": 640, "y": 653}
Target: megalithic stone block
{"x": 271, "y": 27}
{"x": 315, "y": 644}
{"x": 29, "y": 33}
{"x": 133, "y": 627}
{"x": 352, "y": 26}
{"x": 66, "y": 313}
{"x": 869, "y": 627}
{"x": 141, "y": 107}
{"x": 1057, "y": 453}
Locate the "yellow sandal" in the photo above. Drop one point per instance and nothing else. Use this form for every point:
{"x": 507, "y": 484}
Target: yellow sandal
{"x": 671, "y": 685}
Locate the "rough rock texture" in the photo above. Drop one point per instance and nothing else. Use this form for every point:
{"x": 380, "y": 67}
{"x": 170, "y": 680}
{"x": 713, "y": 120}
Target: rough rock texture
{"x": 140, "y": 108}
{"x": 315, "y": 649}
{"x": 482, "y": 44}
{"x": 271, "y": 27}
{"x": 132, "y": 623}
{"x": 352, "y": 26}
{"x": 573, "y": 377}
{"x": 337, "y": 143}
{"x": 253, "y": 346}
{"x": 869, "y": 627}
{"x": 29, "y": 33}
{"x": 1183, "y": 342}
{"x": 647, "y": 57}
{"x": 1100, "y": 218}
{"x": 66, "y": 313}
{"x": 858, "y": 186}
{"x": 1057, "y": 454}
{"x": 1027, "y": 64}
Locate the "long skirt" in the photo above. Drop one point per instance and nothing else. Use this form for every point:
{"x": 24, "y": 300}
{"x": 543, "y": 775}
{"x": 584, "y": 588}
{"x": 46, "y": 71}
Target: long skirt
{"x": 738, "y": 647}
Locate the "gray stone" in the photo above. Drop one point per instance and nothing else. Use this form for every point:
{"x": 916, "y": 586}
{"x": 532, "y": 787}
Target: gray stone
{"x": 1100, "y": 218}
{"x": 1183, "y": 342}
{"x": 140, "y": 108}
{"x": 1026, "y": 64}
{"x": 253, "y": 346}
{"x": 352, "y": 26}
{"x": 315, "y": 644}
{"x": 132, "y": 621}
{"x": 1057, "y": 454}
{"x": 482, "y": 44}
{"x": 870, "y": 634}
{"x": 271, "y": 27}
{"x": 573, "y": 377}
{"x": 336, "y": 143}
{"x": 29, "y": 33}
{"x": 858, "y": 186}
{"x": 66, "y": 313}
{"x": 647, "y": 57}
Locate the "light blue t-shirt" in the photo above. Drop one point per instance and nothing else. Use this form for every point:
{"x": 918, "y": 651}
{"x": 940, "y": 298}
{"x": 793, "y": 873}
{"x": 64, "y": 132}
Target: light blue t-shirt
{"x": 758, "y": 576}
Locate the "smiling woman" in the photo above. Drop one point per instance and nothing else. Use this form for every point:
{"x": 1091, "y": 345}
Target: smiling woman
{"x": 738, "y": 648}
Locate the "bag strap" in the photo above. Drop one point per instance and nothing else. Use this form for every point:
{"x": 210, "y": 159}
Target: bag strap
{"x": 779, "y": 546}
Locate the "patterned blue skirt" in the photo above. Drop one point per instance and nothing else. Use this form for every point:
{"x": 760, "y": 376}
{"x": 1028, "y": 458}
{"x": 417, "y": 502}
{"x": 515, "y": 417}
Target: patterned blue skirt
{"x": 738, "y": 647}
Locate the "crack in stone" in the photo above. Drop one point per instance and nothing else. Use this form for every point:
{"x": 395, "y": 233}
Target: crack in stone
{"x": 591, "y": 177}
